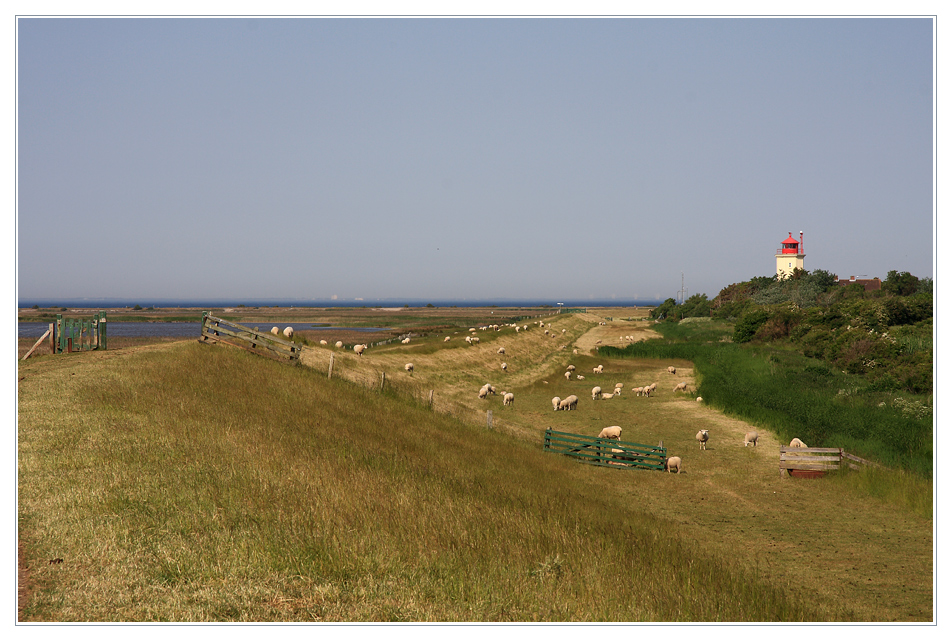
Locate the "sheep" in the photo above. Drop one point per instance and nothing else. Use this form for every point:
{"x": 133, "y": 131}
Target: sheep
{"x": 359, "y": 349}
{"x": 608, "y": 395}
{"x": 501, "y": 350}
{"x": 323, "y": 343}
{"x": 483, "y": 392}
{"x": 406, "y": 340}
{"x": 702, "y": 439}
{"x": 638, "y": 390}
{"x": 613, "y": 432}
{"x": 619, "y": 385}
{"x": 275, "y": 331}
{"x": 571, "y": 368}
{"x": 475, "y": 339}
{"x": 681, "y": 387}
{"x": 598, "y": 370}
{"x": 596, "y": 392}
{"x": 504, "y": 366}
{"x": 673, "y": 463}
{"x": 699, "y": 399}
{"x": 508, "y": 398}
{"x": 798, "y": 443}
{"x": 469, "y": 339}
{"x": 339, "y": 344}
{"x": 569, "y": 403}
{"x": 568, "y": 376}
{"x": 580, "y": 377}
{"x": 672, "y": 370}
{"x": 575, "y": 351}
{"x": 447, "y": 339}
{"x": 653, "y": 386}
{"x": 555, "y": 403}
{"x": 409, "y": 368}
{"x": 288, "y": 332}
{"x": 751, "y": 438}
{"x": 646, "y": 391}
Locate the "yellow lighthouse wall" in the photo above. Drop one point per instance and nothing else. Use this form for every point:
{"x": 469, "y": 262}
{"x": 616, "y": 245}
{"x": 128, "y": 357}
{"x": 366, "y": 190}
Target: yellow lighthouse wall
{"x": 786, "y": 263}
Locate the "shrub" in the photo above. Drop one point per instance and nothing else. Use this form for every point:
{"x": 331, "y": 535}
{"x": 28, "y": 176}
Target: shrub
{"x": 746, "y": 328}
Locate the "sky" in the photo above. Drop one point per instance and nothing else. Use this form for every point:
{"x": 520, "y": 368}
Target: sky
{"x": 479, "y": 158}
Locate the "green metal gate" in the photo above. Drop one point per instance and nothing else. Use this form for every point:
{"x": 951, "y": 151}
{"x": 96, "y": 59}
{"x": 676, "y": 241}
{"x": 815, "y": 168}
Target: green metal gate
{"x": 79, "y": 334}
{"x": 605, "y": 451}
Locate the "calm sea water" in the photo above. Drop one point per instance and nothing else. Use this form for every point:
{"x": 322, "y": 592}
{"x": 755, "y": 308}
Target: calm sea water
{"x": 96, "y": 303}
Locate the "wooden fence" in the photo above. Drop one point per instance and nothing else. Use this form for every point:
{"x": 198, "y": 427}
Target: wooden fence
{"x": 818, "y": 459}
{"x": 264, "y": 343}
{"x": 605, "y": 451}
{"x": 79, "y": 334}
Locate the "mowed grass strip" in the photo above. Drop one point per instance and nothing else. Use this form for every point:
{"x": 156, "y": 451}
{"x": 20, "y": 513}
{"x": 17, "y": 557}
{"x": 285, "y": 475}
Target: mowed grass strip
{"x": 189, "y": 482}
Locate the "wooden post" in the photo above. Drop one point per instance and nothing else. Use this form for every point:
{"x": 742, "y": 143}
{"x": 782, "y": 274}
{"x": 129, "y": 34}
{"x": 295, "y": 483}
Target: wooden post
{"x": 330, "y": 368}
{"x": 383, "y": 380}
{"x": 431, "y": 399}
{"x": 489, "y": 419}
{"x": 37, "y": 344}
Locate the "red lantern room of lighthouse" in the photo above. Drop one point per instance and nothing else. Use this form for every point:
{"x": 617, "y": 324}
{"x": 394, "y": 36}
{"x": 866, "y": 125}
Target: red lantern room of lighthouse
{"x": 789, "y": 256}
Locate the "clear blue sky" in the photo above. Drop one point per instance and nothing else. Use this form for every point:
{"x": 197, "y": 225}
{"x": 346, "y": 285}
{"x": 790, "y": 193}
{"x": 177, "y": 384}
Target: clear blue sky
{"x": 478, "y": 158}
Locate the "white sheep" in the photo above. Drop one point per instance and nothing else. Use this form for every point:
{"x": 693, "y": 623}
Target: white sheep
{"x": 596, "y": 392}
{"x": 598, "y": 370}
{"x": 681, "y": 387}
{"x": 484, "y": 391}
{"x": 555, "y": 403}
{"x": 569, "y": 403}
{"x": 798, "y": 443}
{"x": 751, "y": 438}
{"x": 447, "y": 339}
{"x": 504, "y": 366}
{"x": 508, "y": 398}
{"x": 409, "y": 368}
{"x": 638, "y": 390}
{"x": 475, "y": 339}
{"x": 613, "y": 432}
{"x": 469, "y": 339}
{"x": 339, "y": 344}
{"x": 288, "y": 332}
{"x": 406, "y": 340}
{"x": 575, "y": 350}
{"x": 501, "y": 350}
{"x": 673, "y": 463}
{"x": 571, "y": 368}
{"x": 275, "y": 331}
{"x": 323, "y": 342}
{"x": 699, "y": 399}
{"x": 672, "y": 370}
{"x": 619, "y": 385}
{"x": 702, "y": 437}
{"x": 568, "y": 376}
{"x": 359, "y": 349}
{"x": 608, "y": 395}
{"x": 580, "y": 377}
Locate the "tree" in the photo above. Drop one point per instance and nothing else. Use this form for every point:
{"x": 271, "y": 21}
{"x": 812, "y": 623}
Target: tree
{"x": 900, "y": 283}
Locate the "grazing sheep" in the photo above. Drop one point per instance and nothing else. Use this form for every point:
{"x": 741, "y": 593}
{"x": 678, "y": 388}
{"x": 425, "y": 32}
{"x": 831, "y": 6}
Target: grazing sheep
{"x": 555, "y": 403}
{"x": 653, "y": 386}
{"x": 569, "y": 403}
{"x": 613, "y": 432}
{"x": 702, "y": 439}
{"x": 406, "y": 340}
{"x": 751, "y": 438}
{"x": 275, "y": 331}
{"x": 646, "y": 391}
{"x": 508, "y": 398}
{"x": 608, "y": 395}
{"x": 323, "y": 342}
{"x": 699, "y": 399}
{"x": 638, "y": 390}
{"x": 580, "y": 377}
{"x": 501, "y": 350}
{"x": 619, "y": 385}
{"x": 672, "y": 370}
{"x": 568, "y": 376}
{"x": 409, "y": 368}
{"x": 596, "y": 391}
{"x": 598, "y": 370}
{"x": 475, "y": 339}
{"x": 681, "y": 387}
{"x": 446, "y": 340}
{"x": 339, "y": 344}
{"x": 469, "y": 339}
{"x": 288, "y": 332}
{"x": 571, "y": 368}
{"x": 575, "y": 351}
{"x": 359, "y": 349}
{"x": 504, "y": 366}
{"x": 483, "y": 392}
{"x": 798, "y": 443}
{"x": 673, "y": 463}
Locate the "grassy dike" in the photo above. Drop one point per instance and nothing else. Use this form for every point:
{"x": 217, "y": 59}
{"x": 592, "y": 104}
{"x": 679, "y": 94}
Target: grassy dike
{"x": 184, "y": 482}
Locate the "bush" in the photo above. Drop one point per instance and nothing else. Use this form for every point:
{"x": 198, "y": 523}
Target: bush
{"x": 746, "y": 328}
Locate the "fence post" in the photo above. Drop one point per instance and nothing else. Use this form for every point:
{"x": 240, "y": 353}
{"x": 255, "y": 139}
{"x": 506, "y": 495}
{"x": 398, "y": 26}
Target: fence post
{"x": 330, "y": 368}
{"x": 431, "y": 399}
{"x": 489, "y": 419}
{"x": 383, "y": 380}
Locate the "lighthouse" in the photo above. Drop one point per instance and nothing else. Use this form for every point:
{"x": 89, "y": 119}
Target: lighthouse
{"x": 789, "y": 256}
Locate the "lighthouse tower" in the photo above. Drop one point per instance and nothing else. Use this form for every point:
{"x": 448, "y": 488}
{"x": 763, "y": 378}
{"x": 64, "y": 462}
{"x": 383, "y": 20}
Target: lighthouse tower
{"x": 790, "y": 256}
